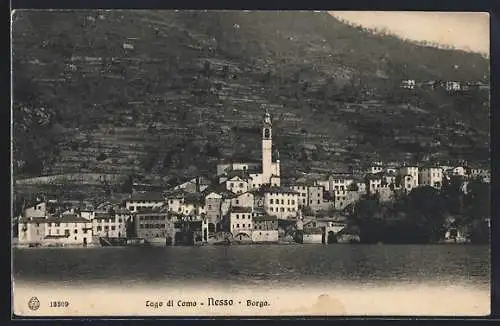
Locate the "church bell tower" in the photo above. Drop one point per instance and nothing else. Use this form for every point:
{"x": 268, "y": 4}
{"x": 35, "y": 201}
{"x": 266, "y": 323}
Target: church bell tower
{"x": 267, "y": 144}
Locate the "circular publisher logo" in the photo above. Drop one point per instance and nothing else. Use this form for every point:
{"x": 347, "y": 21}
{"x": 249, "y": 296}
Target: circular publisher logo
{"x": 34, "y": 303}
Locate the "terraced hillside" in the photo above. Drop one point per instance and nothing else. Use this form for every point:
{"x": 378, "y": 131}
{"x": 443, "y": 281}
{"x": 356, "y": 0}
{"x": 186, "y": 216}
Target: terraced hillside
{"x": 168, "y": 93}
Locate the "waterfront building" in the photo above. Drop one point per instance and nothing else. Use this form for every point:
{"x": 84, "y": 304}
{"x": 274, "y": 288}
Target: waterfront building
{"x": 31, "y": 230}
{"x": 144, "y": 201}
{"x": 312, "y": 235}
{"x": 265, "y": 228}
{"x": 111, "y": 224}
{"x": 155, "y": 226}
{"x": 240, "y": 220}
{"x": 68, "y": 229}
{"x": 281, "y": 202}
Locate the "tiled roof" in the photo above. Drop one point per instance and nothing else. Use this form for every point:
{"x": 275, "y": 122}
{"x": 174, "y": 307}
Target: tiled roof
{"x": 152, "y": 210}
{"x": 177, "y": 193}
{"x": 32, "y": 220}
{"x": 146, "y": 196}
{"x": 265, "y": 218}
{"x": 238, "y": 209}
{"x": 279, "y": 190}
{"x": 311, "y": 230}
{"x": 57, "y": 236}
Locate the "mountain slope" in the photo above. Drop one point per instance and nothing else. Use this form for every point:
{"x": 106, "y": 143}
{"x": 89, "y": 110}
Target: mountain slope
{"x": 163, "y": 92}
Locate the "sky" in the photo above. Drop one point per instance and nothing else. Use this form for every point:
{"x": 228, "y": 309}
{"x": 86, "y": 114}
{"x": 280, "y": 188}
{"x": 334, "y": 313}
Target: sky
{"x": 468, "y": 31}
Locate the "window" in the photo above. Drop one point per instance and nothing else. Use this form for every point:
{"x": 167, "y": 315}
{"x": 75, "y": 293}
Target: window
{"x": 113, "y": 228}
{"x": 255, "y": 227}
{"x": 271, "y": 201}
{"x": 76, "y": 231}
{"x": 318, "y": 201}
{"x": 75, "y": 238}
{"x": 57, "y": 231}
{"x": 209, "y": 206}
{"x": 140, "y": 225}
{"x": 85, "y": 231}
{"x": 237, "y": 216}
{"x": 237, "y": 202}
{"x": 241, "y": 185}
{"x": 106, "y": 228}
{"x": 282, "y": 202}
{"x": 288, "y": 202}
{"x": 282, "y": 209}
{"x": 119, "y": 220}
{"x": 242, "y": 225}
{"x": 99, "y": 228}
{"x": 238, "y": 225}
{"x": 271, "y": 209}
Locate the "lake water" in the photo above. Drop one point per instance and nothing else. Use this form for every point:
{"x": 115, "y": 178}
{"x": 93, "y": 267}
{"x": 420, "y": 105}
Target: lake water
{"x": 340, "y": 279}
{"x": 258, "y": 265}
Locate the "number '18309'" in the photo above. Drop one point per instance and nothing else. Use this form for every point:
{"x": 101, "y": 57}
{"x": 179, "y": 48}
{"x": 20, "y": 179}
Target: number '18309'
{"x": 59, "y": 304}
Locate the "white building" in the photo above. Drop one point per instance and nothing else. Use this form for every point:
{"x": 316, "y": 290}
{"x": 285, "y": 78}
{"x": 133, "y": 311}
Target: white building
{"x": 69, "y": 229}
{"x": 412, "y": 171}
{"x": 240, "y": 220}
{"x": 144, "y": 201}
{"x": 431, "y": 176}
{"x": 281, "y": 202}
{"x": 243, "y": 200}
{"x": 237, "y": 184}
{"x": 32, "y": 230}
{"x": 111, "y": 225}
{"x": 312, "y": 235}
{"x": 302, "y": 191}
{"x": 373, "y": 183}
{"x": 375, "y": 168}
{"x": 37, "y": 210}
{"x": 340, "y": 181}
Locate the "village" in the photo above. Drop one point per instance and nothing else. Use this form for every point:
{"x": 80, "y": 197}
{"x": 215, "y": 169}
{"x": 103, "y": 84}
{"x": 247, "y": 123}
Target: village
{"x": 245, "y": 203}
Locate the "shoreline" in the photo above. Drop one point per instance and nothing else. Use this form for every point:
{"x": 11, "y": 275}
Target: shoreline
{"x": 241, "y": 244}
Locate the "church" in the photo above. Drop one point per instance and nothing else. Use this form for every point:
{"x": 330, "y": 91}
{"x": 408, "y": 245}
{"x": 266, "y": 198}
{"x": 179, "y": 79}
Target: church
{"x": 265, "y": 173}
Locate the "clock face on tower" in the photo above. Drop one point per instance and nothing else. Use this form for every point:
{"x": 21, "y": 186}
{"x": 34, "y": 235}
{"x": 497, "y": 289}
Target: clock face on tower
{"x": 267, "y": 133}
